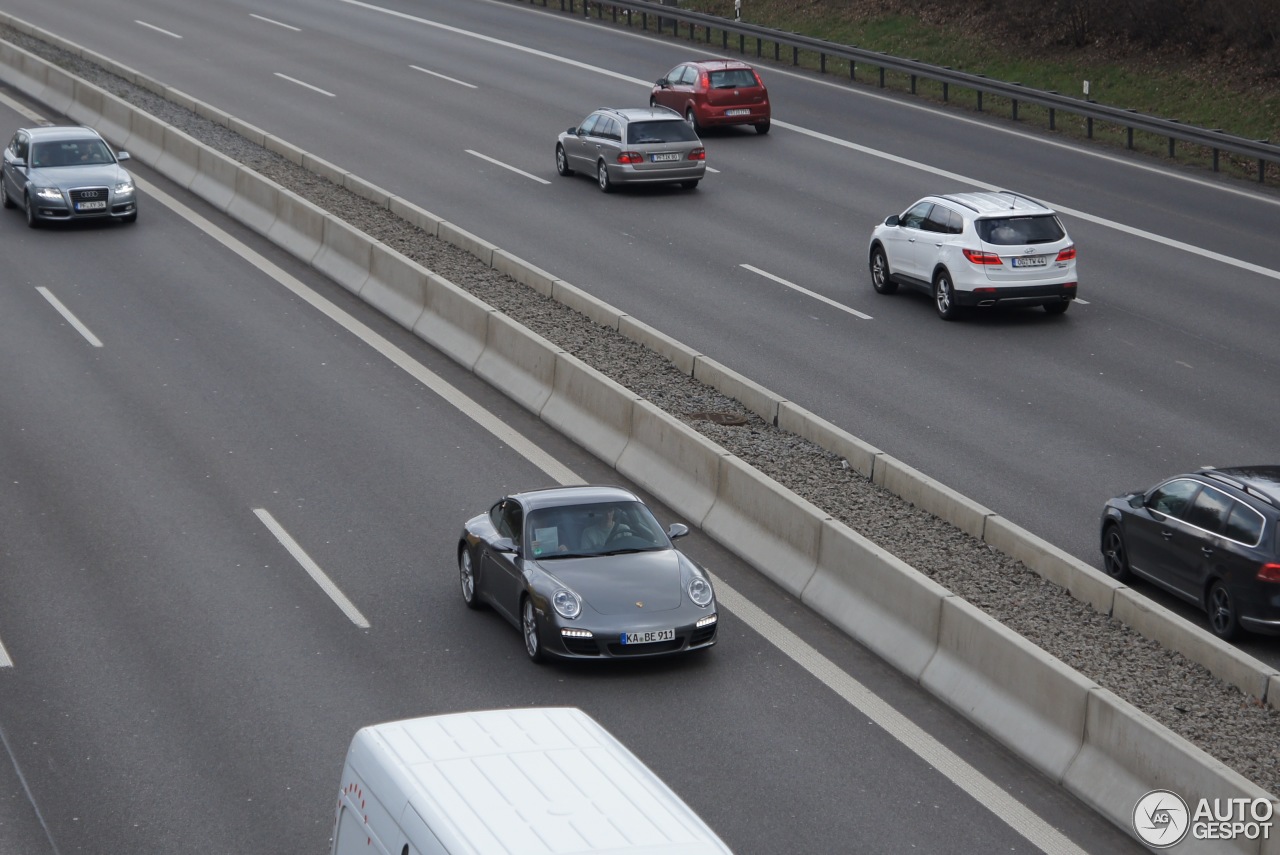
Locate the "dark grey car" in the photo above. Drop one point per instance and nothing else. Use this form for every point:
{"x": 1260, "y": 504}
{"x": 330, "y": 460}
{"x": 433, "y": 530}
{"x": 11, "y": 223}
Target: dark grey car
{"x": 641, "y": 145}
{"x": 66, "y": 173}
{"x": 586, "y": 572}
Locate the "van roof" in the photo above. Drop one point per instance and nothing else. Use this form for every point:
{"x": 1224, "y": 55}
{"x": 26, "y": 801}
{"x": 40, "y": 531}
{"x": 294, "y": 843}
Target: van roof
{"x": 532, "y": 781}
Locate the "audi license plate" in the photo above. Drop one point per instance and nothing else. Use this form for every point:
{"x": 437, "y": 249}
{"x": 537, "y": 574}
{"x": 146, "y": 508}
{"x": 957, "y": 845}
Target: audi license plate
{"x": 737, "y": 112}
{"x": 90, "y": 206}
{"x": 660, "y": 158}
{"x": 649, "y": 636}
{"x": 1031, "y": 261}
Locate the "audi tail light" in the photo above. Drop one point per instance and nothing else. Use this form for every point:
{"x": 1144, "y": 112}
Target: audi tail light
{"x": 977, "y": 256}
{"x": 1067, "y": 254}
{"x": 1269, "y": 573}
{"x": 630, "y": 157}
{"x": 698, "y": 154}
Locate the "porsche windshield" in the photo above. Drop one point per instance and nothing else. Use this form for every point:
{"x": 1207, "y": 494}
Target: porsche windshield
{"x": 606, "y": 528}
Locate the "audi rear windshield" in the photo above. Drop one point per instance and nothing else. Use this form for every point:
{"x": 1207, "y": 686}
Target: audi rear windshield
{"x": 1014, "y": 231}
{"x": 668, "y": 131}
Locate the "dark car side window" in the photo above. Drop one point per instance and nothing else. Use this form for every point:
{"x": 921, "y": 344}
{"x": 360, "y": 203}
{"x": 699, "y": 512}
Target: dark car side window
{"x": 1172, "y": 499}
{"x": 914, "y": 219}
{"x": 937, "y": 220}
{"x": 588, "y": 127}
{"x": 1244, "y": 525}
{"x": 1210, "y": 509}
{"x": 507, "y": 518}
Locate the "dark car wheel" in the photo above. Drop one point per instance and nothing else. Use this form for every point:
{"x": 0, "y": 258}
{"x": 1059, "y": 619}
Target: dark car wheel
{"x": 467, "y": 578}
{"x": 690, "y": 185}
{"x": 530, "y": 630}
{"x": 33, "y": 222}
{"x": 1057, "y": 308}
{"x": 562, "y": 161}
{"x": 1114, "y": 556}
{"x": 762, "y": 127}
{"x": 602, "y": 177}
{"x": 1223, "y": 620}
{"x": 880, "y": 276}
{"x": 692, "y": 118}
{"x": 944, "y": 296}
{"x": 130, "y": 218}
{"x": 4, "y": 196}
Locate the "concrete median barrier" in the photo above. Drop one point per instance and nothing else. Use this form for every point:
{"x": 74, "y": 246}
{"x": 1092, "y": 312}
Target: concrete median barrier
{"x": 215, "y": 179}
{"x": 771, "y": 528}
{"x": 822, "y": 433}
{"x": 255, "y": 201}
{"x": 1223, "y": 660}
{"x": 930, "y": 495}
{"x": 1127, "y": 754}
{"x": 86, "y": 105}
{"x": 113, "y": 124}
{"x": 345, "y": 254}
{"x": 180, "y": 159}
{"x": 1066, "y": 571}
{"x": 580, "y": 301}
{"x": 367, "y": 190}
{"x": 59, "y": 90}
{"x": 890, "y": 607}
{"x": 454, "y": 321}
{"x": 677, "y": 353}
{"x": 519, "y": 362}
{"x": 523, "y": 272}
{"x": 1007, "y": 686}
{"x": 672, "y": 460}
{"x": 146, "y": 138}
{"x": 396, "y": 286}
{"x": 592, "y": 410}
{"x": 463, "y": 239}
{"x": 750, "y": 394}
{"x": 420, "y": 217}
{"x": 298, "y": 227}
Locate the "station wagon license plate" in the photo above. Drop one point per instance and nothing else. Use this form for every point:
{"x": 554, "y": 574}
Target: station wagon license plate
{"x": 660, "y": 158}
{"x": 737, "y": 112}
{"x": 1031, "y": 261}
{"x": 90, "y": 206}
{"x": 649, "y": 636}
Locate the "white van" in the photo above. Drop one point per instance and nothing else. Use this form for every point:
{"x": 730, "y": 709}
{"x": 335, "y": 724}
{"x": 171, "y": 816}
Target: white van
{"x": 507, "y": 782}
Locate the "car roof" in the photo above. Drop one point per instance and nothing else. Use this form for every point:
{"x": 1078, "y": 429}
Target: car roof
{"x": 1262, "y": 481}
{"x": 52, "y": 133}
{"x": 718, "y": 64}
{"x": 554, "y": 497}
{"x": 1001, "y": 203}
{"x": 642, "y": 114}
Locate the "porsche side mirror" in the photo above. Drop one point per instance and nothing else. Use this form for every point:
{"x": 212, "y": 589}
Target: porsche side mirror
{"x": 677, "y": 530}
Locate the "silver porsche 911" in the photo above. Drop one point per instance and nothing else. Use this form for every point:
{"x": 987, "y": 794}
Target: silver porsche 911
{"x": 586, "y": 572}
{"x": 66, "y": 173}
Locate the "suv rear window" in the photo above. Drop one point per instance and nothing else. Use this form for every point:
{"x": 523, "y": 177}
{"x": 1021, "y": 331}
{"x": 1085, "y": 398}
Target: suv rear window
{"x": 672, "y": 130}
{"x": 1012, "y": 231}
{"x": 733, "y": 78}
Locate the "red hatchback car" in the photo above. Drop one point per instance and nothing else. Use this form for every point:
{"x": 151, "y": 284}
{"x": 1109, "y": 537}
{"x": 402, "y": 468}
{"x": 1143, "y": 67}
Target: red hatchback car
{"x": 715, "y": 92}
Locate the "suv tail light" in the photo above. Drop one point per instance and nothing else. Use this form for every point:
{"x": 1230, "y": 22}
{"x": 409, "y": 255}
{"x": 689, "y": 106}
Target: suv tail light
{"x": 698, "y": 154}
{"x": 1067, "y": 254}
{"x": 977, "y": 256}
{"x": 1269, "y": 573}
{"x": 630, "y": 157}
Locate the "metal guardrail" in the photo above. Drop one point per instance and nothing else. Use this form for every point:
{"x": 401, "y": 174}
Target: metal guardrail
{"x": 698, "y": 24}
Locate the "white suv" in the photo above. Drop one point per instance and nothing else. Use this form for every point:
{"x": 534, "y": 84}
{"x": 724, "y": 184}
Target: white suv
{"x": 976, "y": 249}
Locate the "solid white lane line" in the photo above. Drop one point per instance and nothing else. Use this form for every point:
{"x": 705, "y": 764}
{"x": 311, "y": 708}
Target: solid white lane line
{"x": 443, "y": 77}
{"x": 504, "y": 433}
{"x": 507, "y": 166}
{"x": 983, "y": 790}
{"x": 313, "y": 569}
{"x": 902, "y": 161}
{"x": 277, "y": 23}
{"x": 307, "y": 85}
{"x": 70, "y": 318}
{"x": 157, "y": 29}
{"x": 5, "y": 661}
{"x": 805, "y": 291}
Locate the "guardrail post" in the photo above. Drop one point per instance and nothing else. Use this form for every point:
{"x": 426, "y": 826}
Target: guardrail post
{"x": 777, "y": 51}
{"x": 759, "y": 46}
{"x": 724, "y": 39}
{"x": 1129, "y": 143}
{"x": 742, "y": 43}
{"x": 1262, "y": 165}
{"x": 1015, "y": 109}
{"x": 795, "y": 55}
{"x": 913, "y": 84}
{"x": 979, "y": 100}
{"x": 882, "y": 77}
{"x": 822, "y": 63}
{"x": 853, "y": 70}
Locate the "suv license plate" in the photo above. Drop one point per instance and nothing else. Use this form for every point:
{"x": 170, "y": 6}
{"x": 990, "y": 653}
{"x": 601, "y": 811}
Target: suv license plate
{"x": 90, "y": 206}
{"x": 1031, "y": 261}
{"x": 649, "y": 636}
{"x": 660, "y": 158}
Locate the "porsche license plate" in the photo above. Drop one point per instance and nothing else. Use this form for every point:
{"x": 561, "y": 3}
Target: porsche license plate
{"x": 1031, "y": 261}
{"x": 90, "y": 206}
{"x": 659, "y": 158}
{"x": 649, "y": 636}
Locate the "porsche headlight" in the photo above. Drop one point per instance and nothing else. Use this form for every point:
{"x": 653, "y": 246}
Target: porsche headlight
{"x": 700, "y": 591}
{"x": 124, "y": 188}
{"x": 566, "y": 603}
{"x": 49, "y": 193}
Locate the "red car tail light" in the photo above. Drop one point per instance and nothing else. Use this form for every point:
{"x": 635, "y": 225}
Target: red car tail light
{"x": 630, "y": 157}
{"x": 977, "y": 256}
{"x": 1269, "y": 573}
{"x": 759, "y": 82}
{"x": 1067, "y": 254}
{"x": 698, "y": 154}
{"x": 704, "y": 82}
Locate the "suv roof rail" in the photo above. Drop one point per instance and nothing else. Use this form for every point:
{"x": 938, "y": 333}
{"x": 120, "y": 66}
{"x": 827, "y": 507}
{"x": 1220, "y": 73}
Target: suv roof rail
{"x": 960, "y": 201}
{"x": 1023, "y": 198}
{"x": 1239, "y": 485}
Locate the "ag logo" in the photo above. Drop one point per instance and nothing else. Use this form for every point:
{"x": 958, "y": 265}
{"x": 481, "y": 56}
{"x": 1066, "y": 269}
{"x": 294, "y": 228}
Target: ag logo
{"x": 1161, "y": 819}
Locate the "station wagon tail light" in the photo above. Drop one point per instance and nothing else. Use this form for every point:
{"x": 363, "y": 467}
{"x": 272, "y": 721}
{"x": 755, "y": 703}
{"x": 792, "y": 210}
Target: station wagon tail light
{"x": 977, "y": 256}
{"x": 1067, "y": 254}
{"x": 698, "y": 154}
{"x": 1269, "y": 573}
{"x": 630, "y": 157}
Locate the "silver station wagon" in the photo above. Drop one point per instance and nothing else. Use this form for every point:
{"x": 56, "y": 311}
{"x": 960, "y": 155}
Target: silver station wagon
{"x": 66, "y": 173}
{"x": 643, "y": 145}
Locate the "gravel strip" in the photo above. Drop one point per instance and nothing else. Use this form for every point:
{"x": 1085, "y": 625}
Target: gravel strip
{"x": 1184, "y": 696}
